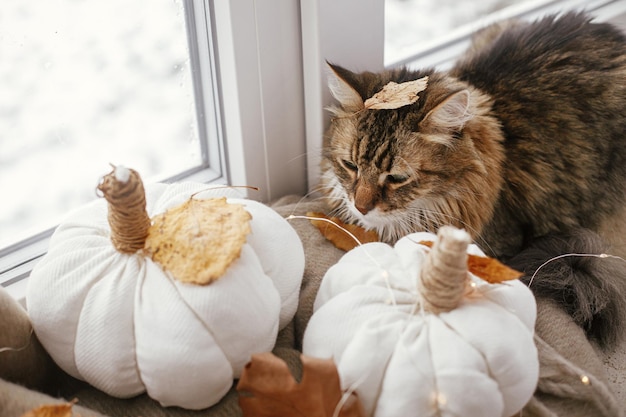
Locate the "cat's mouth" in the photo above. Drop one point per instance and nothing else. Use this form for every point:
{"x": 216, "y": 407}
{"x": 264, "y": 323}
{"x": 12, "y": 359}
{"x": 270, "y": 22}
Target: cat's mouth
{"x": 391, "y": 225}
{"x": 372, "y": 219}
{"x": 385, "y": 223}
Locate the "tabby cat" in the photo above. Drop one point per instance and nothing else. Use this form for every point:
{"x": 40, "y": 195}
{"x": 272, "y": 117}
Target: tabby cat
{"x": 523, "y": 137}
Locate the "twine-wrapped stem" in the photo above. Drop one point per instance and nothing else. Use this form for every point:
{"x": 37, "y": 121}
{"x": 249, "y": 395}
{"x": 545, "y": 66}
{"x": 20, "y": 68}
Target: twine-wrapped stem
{"x": 444, "y": 274}
{"x": 128, "y": 218}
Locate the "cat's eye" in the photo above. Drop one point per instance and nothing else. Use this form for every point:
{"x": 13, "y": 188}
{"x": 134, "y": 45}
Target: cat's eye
{"x": 349, "y": 165}
{"x": 397, "y": 179}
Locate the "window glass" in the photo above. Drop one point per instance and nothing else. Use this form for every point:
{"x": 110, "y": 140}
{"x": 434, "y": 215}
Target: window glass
{"x": 84, "y": 84}
{"x": 414, "y": 24}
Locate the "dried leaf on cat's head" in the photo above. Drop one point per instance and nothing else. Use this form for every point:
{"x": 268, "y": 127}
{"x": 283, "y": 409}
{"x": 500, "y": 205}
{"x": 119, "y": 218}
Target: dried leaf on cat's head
{"x": 394, "y": 95}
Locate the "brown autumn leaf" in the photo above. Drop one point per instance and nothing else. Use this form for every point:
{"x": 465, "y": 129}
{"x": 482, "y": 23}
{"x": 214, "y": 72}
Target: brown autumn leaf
{"x": 394, "y": 95}
{"x": 488, "y": 269}
{"x": 491, "y": 270}
{"x": 197, "y": 241}
{"x": 267, "y": 389}
{"x": 333, "y": 229}
{"x": 51, "y": 410}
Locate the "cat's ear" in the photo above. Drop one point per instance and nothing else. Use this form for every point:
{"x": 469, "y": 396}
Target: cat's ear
{"x": 341, "y": 84}
{"x": 451, "y": 114}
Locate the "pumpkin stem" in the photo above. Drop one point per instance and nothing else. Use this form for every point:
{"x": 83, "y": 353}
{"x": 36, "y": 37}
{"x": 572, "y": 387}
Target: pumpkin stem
{"x": 128, "y": 218}
{"x": 444, "y": 274}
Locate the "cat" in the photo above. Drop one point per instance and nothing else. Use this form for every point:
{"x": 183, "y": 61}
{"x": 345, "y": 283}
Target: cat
{"x": 523, "y": 137}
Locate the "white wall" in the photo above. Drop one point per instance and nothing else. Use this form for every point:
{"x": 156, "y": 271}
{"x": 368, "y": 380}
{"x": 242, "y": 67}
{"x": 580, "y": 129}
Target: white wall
{"x": 260, "y": 66}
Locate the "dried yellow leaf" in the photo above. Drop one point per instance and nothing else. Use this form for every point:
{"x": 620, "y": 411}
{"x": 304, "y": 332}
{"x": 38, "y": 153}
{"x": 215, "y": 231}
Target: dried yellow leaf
{"x": 197, "y": 241}
{"x": 394, "y": 95}
{"x": 51, "y": 410}
{"x": 491, "y": 270}
{"x": 341, "y": 234}
{"x": 487, "y": 269}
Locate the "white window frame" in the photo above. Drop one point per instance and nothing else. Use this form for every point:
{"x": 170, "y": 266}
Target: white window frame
{"x": 260, "y": 105}
{"x": 17, "y": 260}
{"x": 260, "y": 68}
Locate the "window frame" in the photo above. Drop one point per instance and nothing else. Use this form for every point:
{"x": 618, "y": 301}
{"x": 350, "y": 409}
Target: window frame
{"x": 442, "y": 52}
{"x": 260, "y": 71}
{"x": 259, "y": 102}
{"x": 17, "y": 260}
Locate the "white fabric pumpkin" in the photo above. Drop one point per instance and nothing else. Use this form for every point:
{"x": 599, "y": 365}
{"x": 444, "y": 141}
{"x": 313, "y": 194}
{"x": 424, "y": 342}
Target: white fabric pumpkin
{"x": 478, "y": 359}
{"x": 121, "y": 323}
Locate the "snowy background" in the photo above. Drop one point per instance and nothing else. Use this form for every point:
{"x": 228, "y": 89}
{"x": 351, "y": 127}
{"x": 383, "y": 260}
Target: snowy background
{"x": 412, "y": 23}
{"x": 86, "y": 83}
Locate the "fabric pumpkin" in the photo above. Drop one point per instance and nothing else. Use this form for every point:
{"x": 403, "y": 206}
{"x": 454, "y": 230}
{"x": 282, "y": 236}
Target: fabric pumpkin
{"x": 477, "y": 359}
{"x": 121, "y": 323}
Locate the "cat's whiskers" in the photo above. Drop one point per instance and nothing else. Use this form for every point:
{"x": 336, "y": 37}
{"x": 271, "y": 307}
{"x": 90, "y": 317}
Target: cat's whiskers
{"x": 443, "y": 218}
{"x": 337, "y": 200}
{"x": 342, "y": 212}
{"x": 296, "y": 158}
{"x": 319, "y": 193}
{"x": 333, "y": 190}
{"x": 418, "y": 221}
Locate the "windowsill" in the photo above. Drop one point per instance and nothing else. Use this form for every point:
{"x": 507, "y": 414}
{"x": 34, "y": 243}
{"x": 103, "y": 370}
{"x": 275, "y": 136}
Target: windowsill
{"x": 18, "y": 290}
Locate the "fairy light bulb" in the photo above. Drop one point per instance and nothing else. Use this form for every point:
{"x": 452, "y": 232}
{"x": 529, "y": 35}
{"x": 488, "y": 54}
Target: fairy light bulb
{"x": 585, "y": 380}
{"x": 566, "y": 255}
{"x": 439, "y": 400}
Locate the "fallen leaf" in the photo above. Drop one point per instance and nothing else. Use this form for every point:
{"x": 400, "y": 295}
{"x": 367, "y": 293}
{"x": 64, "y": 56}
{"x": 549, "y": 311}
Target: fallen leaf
{"x": 197, "y": 241}
{"x": 394, "y": 95}
{"x": 488, "y": 269}
{"x": 339, "y": 233}
{"x": 491, "y": 270}
{"x": 52, "y": 410}
{"x": 267, "y": 389}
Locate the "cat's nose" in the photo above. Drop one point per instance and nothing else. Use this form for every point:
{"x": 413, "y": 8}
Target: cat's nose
{"x": 364, "y": 209}
{"x": 364, "y": 199}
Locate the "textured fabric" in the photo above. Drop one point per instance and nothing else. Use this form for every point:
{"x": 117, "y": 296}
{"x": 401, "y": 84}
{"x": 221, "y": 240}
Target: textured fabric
{"x": 22, "y": 360}
{"x": 478, "y": 359}
{"x": 128, "y": 327}
{"x": 16, "y": 400}
{"x": 566, "y": 341}
{"x": 566, "y": 358}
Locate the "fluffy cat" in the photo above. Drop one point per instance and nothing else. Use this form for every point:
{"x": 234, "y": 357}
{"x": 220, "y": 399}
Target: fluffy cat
{"x": 523, "y": 137}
